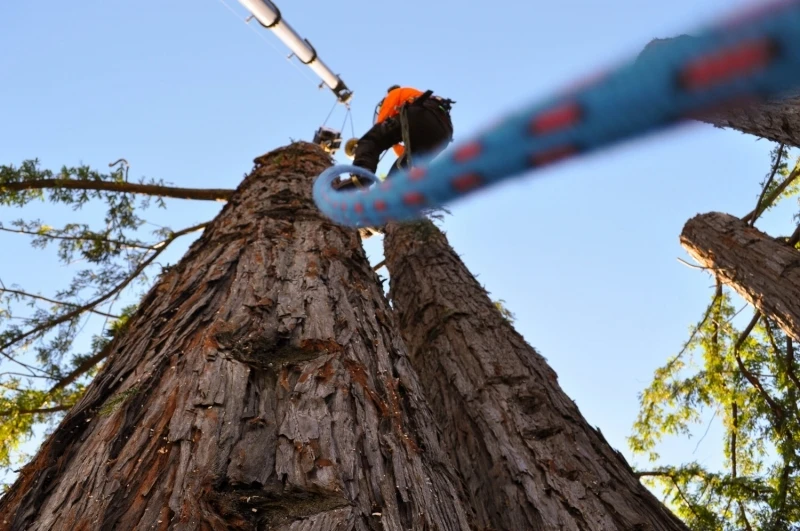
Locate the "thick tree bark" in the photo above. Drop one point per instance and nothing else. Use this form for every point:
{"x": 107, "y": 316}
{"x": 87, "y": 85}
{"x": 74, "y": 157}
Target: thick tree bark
{"x": 261, "y": 385}
{"x": 777, "y": 120}
{"x": 765, "y": 271}
{"x": 529, "y": 459}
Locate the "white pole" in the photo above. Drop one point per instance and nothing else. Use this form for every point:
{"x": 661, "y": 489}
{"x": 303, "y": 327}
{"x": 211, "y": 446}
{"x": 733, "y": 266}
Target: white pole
{"x": 270, "y": 17}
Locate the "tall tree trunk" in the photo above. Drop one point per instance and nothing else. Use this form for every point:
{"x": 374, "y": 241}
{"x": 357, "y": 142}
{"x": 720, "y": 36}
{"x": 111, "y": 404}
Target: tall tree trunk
{"x": 260, "y": 386}
{"x": 777, "y": 119}
{"x": 765, "y": 271}
{"x": 527, "y": 456}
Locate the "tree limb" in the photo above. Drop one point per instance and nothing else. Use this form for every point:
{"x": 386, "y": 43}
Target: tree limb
{"x": 43, "y": 410}
{"x": 12, "y": 373}
{"x": 75, "y": 238}
{"x": 81, "y": 369}
{"x": 30, "y": 368}
{"x": 202, "y": 194}
{"x": 717, "y": 298}
{"x": 108, "y": 295}
{"x": 775, "y": 193}
{"x": 735, "y": 414}
{"x": 774, "y": 406}
{"x": 52, "y": 301}
{"x": 744, "y": 517}
{"x": 760, "y": 207}
{"x": 789, "y": 353}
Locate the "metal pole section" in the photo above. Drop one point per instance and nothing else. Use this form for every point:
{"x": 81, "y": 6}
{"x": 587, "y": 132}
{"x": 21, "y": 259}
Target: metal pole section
{"x": 269, "y": 16}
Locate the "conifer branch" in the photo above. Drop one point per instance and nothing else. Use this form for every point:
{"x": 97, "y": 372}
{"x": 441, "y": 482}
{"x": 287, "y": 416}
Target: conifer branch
{"x": 202, "y": 194}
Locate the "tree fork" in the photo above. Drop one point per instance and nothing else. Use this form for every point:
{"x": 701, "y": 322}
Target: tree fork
{"x": 526, "y": 454}
{"x": 259, "y": 383}
{"x": 764, "y": 271}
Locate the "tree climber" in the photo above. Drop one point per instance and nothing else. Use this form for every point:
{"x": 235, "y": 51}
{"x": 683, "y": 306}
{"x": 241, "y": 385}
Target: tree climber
{"x": 420, "y": 120}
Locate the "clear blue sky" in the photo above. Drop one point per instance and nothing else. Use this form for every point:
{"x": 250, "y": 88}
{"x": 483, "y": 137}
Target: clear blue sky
{"x": 584, "y": 254}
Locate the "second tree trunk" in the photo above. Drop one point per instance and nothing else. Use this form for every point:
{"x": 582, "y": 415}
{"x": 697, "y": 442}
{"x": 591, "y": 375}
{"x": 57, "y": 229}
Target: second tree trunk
{"x": 528, "y": 457}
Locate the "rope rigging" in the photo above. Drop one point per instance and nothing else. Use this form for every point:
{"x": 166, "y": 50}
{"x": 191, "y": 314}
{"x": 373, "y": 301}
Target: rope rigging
{"x": 752, "y": 56}
{"x": 269, "y": 16}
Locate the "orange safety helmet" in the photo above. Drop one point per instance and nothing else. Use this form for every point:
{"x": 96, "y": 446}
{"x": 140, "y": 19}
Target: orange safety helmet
{"x": 389, "y": 107}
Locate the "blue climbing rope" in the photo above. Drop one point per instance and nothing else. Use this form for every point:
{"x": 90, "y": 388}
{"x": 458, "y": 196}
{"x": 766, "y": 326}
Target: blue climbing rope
{"x": 749, "y": 57}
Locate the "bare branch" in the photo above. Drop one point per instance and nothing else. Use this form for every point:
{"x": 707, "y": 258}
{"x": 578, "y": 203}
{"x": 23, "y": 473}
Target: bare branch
{"x": 744, "y": 517}
{"x": 76, "y": 238}
{"x": 694, "y": 266}
{"x": 202, "y": 194}
{"x": 789, "y": 361}
{"x": 735, "y": 414}
{"x": 79, "y": 310}
{"x": 775, "y": 193}
{"x": 81, "y": 369}
{"x": 30, "y": 368}
{"x": 760, "y": 207}
{"x": 52, "y": 301}
{"x": 717, "y": 298}
{"x": 43, "y": 410}
{"x": 12, "y": 373}
{"x": 774, "y": 406}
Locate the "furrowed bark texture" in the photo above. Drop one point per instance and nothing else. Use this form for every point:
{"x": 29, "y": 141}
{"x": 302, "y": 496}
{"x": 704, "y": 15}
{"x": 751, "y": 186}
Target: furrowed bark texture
{"x": 527, "y": 456}
{"x": 765, "y": 271}
{"x": 777, "y": 119}
{"x": 261, "y": 386}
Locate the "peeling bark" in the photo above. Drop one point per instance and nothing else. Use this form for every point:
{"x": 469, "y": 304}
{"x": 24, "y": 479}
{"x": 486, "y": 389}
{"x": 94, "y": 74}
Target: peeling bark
{"x": 527, "y": 456}
{"x": 260, "y": 385}
{"x": 776, "y": 119}
{"x": 764, "y": 271}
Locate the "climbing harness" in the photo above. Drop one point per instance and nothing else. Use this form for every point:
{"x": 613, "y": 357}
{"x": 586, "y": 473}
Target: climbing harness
{"x": 751, "y": 56}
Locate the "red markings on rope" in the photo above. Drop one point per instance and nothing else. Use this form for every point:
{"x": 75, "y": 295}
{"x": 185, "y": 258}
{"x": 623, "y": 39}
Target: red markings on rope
{"x": 359, "y": 208}
{"x": 466, "y": 182}
{"x": 553, "y": 155}
{"x": 416, "y": 173}
{"x": 557, "y": 118}
{"x": 414, "y": 199}
{"x": 379, "y": 205}
{"x": 723, "y": 65}
{"x": 467, "y": 152}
